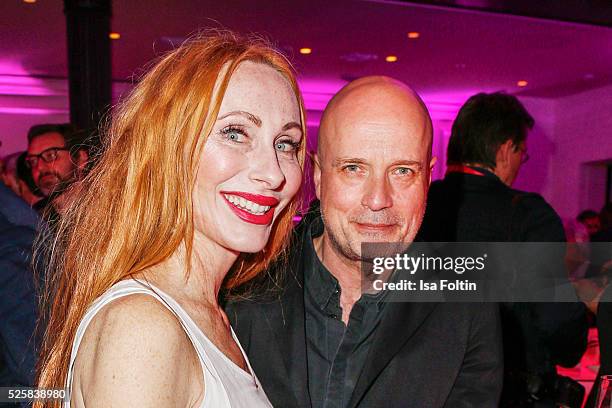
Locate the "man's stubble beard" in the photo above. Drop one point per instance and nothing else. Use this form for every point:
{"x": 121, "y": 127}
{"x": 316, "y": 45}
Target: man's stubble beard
{"x": 346, "y": 250}
{"x": 61, "y": 185}
{"x": 342, "y": 250}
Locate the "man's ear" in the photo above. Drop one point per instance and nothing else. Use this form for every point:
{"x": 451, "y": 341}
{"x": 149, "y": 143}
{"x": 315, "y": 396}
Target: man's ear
{"x": 502, "y": 158}
{"x": 432, "y": 163}
{"x": 316, "y": 173}
{"x": 81, "y": 159}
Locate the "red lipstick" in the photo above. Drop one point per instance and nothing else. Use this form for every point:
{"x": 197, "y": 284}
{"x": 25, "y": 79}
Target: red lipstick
{"x": 263, "y": 219}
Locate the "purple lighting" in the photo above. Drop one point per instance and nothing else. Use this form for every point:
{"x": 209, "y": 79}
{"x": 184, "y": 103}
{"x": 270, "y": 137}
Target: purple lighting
{"x": 317, "y": 92}
{"x": 29, "y": 86}
{"x": 31, "y": 111}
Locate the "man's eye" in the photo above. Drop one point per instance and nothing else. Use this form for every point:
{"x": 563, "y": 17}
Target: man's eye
{"x": 404, "y": 171}
{"x": 50, "y": 155}
{"x": 352, "y": 169}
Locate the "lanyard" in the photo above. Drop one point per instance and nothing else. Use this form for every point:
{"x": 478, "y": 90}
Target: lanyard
{"x": 459, "y": 168}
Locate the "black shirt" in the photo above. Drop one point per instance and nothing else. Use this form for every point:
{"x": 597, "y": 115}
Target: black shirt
{"x": 335, "y": 353}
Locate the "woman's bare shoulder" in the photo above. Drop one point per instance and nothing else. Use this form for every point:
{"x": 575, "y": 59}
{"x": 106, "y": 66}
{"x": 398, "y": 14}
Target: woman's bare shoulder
{"x": 136, "y": 353}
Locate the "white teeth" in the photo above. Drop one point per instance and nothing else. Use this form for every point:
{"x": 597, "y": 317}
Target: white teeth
{"x": 247, "y": 205}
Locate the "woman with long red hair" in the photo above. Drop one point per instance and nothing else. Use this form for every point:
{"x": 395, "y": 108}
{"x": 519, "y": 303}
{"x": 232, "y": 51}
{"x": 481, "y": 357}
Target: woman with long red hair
{"x": 193, "y": 194}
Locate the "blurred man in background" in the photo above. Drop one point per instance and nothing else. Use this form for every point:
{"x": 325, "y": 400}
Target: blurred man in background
{"x": 56, "y": 159}
{"x": 590, "y": 220}
{"x": 475, "y": 203}
{"x": 18, "y": 177}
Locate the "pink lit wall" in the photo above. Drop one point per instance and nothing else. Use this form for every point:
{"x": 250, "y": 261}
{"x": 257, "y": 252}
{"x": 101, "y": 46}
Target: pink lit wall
{"x": 535, "y": 175}
{"x": 26, "y": 101}
{"x": 583, "y": 144}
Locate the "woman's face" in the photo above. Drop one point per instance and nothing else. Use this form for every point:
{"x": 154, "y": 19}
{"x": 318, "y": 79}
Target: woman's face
{"x": 249, "y": 170}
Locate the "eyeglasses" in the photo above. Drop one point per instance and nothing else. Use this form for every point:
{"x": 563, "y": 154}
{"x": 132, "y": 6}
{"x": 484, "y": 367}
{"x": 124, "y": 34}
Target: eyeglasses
{"x": 48, "y": 156}
{"x": 524, "y": 156}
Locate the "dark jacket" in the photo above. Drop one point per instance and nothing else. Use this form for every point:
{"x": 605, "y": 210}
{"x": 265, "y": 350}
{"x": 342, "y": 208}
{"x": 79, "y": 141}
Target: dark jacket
{"x": 473, "y": 208}
{"x": 424, "y": 355}
{"x": 18, "y": 307}
{"x": 604, "y": 326}
{"x": 604, "y": 331}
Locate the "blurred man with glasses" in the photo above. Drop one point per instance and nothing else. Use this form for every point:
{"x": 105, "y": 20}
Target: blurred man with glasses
{"x": 56, "y": 159}
{"x": 475, "y": 202}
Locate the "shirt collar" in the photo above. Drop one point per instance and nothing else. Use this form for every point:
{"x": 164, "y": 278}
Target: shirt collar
{"x": 320, "y": 283}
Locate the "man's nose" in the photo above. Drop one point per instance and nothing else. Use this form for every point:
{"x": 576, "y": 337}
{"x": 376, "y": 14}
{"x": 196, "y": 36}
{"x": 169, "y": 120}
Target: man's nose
{"x": 42, "y": 166}
{"x": 377, "y": 195}
{"x": 36, "y": 168}
{"x": 265, "y": 168}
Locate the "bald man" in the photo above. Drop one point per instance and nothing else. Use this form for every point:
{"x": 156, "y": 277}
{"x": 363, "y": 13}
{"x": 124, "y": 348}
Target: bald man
{"x": 318, "y": 341}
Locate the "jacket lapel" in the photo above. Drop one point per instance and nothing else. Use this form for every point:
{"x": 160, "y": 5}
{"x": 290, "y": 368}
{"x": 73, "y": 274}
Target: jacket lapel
{"x": 401, "y": 320}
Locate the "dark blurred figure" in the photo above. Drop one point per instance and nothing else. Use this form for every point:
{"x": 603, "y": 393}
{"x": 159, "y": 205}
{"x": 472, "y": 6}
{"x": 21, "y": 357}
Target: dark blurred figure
{"x": 475, "y": 203}
{"x": 605, "y": 217}
{"x": 602, "y": 304}
{"x": 602, "y": 307}
{"x": 18, "y": 177}
{"x": 600, "y": 254}
{"x": 18, "y": 302}
{"x": 590, "y": 220}
{"x": 57, "y": 159}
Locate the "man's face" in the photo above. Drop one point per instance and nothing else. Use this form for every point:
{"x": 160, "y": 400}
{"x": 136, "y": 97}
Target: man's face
{"x": 593, "y": 225}
{"x": 57, "y": 174}
{"x": 373, "y": 175}
{"x": 509, "y": 159}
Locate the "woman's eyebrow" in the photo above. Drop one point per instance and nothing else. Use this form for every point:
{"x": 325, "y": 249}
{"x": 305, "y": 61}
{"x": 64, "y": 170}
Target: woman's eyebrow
{"x": 292, "y": 125}
{"x": 249, "y": 116}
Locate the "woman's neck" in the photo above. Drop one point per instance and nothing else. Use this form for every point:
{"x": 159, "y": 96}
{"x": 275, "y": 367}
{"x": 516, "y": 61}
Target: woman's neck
{"x": 210, "y": 264}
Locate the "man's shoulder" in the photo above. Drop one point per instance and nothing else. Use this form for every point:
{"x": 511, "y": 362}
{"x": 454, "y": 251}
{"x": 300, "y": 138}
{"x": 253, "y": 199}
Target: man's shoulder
{"x": 468, "y": 187}
{"x": 13, "y": 236}
{"x": 15, "y": 210}
{"x": 529, "y": 199}
{"x": 532, "y": 203}
{"x": 539, "y": 221}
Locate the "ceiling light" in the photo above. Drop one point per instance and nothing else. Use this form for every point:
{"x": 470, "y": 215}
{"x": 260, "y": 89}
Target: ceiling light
{"x": 391, "y": 58}
{"x": 305, "y": 51}
{"x": 114, "y": 36}
{"x": 522, "y": 83}
{"x": 29, "y": 1}
{"x": 413, "y": 35}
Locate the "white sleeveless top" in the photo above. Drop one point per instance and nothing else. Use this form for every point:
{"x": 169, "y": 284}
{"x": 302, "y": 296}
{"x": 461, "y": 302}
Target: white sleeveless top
{"x": 225, "y": 384}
